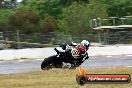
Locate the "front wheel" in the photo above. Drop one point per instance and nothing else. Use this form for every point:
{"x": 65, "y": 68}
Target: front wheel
{"x": 47, "y": 63}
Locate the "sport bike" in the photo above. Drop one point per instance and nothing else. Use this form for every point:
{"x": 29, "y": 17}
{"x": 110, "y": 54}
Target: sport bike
{"x": 66, "y": 56}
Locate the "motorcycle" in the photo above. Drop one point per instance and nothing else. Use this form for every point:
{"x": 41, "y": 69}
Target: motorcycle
{"x": 67, "y": 57}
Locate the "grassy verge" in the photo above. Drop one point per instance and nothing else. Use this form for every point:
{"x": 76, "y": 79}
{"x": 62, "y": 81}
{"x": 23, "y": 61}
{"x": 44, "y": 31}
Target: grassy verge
{"x": 59, "y": 78}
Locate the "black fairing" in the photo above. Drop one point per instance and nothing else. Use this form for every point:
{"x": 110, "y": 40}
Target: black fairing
{"x": 68, "y": 58}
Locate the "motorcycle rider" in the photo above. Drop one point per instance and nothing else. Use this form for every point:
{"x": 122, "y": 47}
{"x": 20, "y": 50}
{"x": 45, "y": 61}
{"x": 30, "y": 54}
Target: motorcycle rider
{"x": 77, "y": 50}
{"x": 80, "y": 49}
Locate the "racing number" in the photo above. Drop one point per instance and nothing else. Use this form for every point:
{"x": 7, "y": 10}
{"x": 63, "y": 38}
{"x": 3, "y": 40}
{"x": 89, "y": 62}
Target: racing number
{"x": 75, "y": 53}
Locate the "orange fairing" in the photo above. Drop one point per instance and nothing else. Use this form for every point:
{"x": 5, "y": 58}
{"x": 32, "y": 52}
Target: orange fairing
{"x": 81, "y": 71}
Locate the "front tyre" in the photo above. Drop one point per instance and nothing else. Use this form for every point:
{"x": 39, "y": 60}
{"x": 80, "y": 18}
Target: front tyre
{"x": 47, "y": 63}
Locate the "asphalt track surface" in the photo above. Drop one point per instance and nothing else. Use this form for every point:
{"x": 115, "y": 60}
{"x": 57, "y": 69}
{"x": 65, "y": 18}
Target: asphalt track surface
{"x": 18, "y": 66}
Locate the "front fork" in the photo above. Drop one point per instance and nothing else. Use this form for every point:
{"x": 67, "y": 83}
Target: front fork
{"x": 79, "y": 62}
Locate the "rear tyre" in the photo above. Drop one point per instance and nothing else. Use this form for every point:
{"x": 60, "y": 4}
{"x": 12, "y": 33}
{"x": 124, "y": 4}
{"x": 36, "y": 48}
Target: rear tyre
{"x": 47, "y": 63}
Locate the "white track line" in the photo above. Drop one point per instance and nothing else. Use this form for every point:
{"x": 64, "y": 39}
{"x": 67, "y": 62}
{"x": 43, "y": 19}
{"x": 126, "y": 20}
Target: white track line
{"x": 109, "y": 56}
{"x": 39, "y": 59}
{"x": 128, "y": 66}
{"x": 128, "y": 55}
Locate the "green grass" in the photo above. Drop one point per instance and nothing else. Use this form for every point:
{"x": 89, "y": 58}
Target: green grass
{"x": 59, "y": 78}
